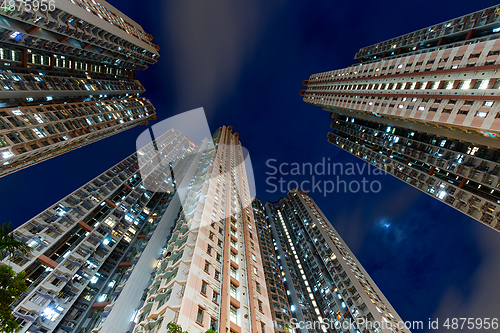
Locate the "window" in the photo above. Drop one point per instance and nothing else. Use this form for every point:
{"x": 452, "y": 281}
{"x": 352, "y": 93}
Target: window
{"x": 260, "y": 306}
{"x": 257, "y": 286}
{"x": 215, "y": 297}
{"x": 458, "y": 58}
{"x": 207, "y": 266}
{"x": 233, "y": 272}
{"x": 204, "y": 288}
{"x": 211, "y": 236}
{"x": 475, "y": 55}
{"x": 463, "y": 112}
{"x": 213, "y": 324}
{"x": 447, "y": 85}
{"x": 199, "y": 317}
{"x": 481, "y": 84}
{"x": 209, "y": 250}
{"x": 488, "y": 103}
{"x": 233, "y": 313}
{"x": 217, "y": 275}
{"x": 464, "y": 84}
{"x": 233, "y": 290}
{"x": 263, "y": 327}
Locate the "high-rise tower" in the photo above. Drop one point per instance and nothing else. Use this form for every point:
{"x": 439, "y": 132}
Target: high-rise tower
{"x": 172, "y": 239}
{"x": 278, "y": 301}
{"x": 67, "y": 70}
{"x": 210, "y": 274}
{"x": 425, "y": 107}
{"x": 83, "y": 244}
{"x": 328, "y": 289}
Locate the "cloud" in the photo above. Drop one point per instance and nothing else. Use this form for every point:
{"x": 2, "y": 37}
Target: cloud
{"x": 478, "y": 297}
{"x": 209, "y": 43}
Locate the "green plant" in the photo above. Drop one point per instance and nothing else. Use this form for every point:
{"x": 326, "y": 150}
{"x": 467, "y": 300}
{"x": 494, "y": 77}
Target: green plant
{"x": 12, "y": 285}
{"x": 10, "y": 244}
{"x": 210, "y": 330}
{"x": 174, "y": 328}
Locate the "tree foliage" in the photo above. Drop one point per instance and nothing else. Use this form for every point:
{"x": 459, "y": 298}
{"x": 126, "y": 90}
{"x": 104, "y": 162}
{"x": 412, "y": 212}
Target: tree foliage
{"x": 12, "y": 285}
{"x": 174, "y": 328}
{"x": 10, "y": 244}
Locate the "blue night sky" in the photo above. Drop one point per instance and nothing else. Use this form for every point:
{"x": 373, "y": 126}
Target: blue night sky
{"x": 243, "y": 62}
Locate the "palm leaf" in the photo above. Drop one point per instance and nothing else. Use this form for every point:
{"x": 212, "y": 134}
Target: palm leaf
{"x": 10, "y": 244}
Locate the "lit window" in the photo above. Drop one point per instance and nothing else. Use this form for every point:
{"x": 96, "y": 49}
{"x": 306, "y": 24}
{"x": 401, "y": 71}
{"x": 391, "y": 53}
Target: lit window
{"x": 484, "y": 84}
{"x": 465, "y": 84}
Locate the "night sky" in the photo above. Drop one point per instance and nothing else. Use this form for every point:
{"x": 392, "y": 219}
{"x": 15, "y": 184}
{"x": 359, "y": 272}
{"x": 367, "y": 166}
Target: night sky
{"x": 243, "y": 62}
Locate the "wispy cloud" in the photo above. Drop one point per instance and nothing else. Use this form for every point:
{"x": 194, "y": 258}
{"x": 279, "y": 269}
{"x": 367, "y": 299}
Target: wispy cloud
{"x": 209, "y": 43}
{"x": 478, "y": 297}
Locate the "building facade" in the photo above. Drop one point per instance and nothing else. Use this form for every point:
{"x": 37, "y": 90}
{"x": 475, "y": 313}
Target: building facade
{"x": 328, "y": 289}
{"x": 425, "y": 107}
{"x": 278, "y": 300}
{"x": 137, "y": 248}
{"x": 211, "y": 270}
{"x": 85, "y": 245}
{"x": 68, "y": 73}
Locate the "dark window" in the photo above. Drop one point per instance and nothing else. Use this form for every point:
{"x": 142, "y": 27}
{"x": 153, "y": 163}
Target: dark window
{"x": 201, "y": 314}
{"x": 204, "y": 287}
